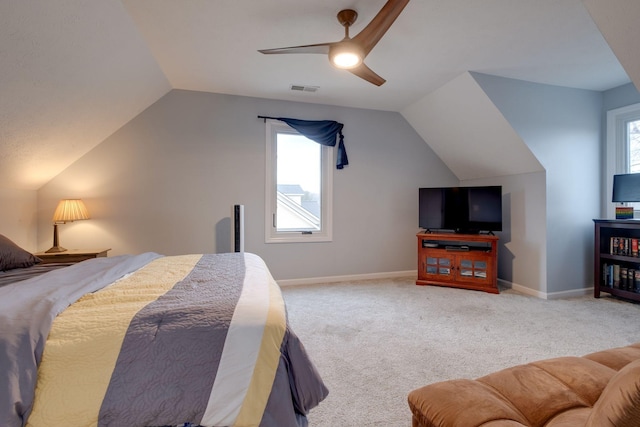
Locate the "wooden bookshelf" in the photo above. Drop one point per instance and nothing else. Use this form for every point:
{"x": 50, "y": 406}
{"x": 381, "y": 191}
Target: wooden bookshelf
{"x": 614, "y": 246}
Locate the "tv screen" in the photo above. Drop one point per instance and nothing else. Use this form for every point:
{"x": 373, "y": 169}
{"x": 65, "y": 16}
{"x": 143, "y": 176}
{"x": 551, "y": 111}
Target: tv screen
{"x": 626, "y": 188}
{"x": 461, "y": 209}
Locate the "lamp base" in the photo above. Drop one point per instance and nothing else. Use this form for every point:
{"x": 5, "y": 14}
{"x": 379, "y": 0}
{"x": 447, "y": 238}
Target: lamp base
{"x": 56, "y": 247}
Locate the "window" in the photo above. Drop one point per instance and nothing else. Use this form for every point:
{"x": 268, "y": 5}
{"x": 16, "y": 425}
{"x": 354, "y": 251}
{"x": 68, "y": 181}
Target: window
{"x": 623, "y": 148}
{"x": 298, "y": 187}
{"x": 633, "y": 141}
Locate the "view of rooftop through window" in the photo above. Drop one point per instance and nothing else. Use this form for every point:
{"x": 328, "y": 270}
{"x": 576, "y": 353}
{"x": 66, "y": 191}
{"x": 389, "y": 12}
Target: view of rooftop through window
{"x": 298, "y": 168}
{"x": 633, "y": 135}
{"x": 633, "y": 142}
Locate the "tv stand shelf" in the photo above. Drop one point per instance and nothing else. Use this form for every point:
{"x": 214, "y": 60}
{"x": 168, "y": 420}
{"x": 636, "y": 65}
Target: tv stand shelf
{"x": 467, "y": 261}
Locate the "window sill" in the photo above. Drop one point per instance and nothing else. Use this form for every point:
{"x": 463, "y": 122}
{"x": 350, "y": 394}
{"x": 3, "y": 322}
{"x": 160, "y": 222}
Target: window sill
{"x": 298, "y": 238}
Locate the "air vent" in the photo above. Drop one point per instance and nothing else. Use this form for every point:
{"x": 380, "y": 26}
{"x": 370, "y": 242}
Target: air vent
{"x": 302, "y": 88}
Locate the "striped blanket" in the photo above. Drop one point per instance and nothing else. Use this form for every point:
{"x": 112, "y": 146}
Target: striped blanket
{"x": 200, "y": 339}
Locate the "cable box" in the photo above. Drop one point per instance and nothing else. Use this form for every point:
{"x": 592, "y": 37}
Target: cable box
{"x": 462, "y": 248}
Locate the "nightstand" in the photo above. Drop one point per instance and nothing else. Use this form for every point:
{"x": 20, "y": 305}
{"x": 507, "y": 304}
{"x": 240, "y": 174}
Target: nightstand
{"x": 71, "y": 255}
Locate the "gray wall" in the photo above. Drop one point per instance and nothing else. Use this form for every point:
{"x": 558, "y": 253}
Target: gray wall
{"x": 620, "y": 97}
{"x": 166, "y": 182}
{"x": 562, "y": 127}
{"x": 522, "y": 249}
{"x": 18, "y": 217}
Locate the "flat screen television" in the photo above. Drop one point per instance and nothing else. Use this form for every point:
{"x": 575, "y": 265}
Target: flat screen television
{"x": 626, "y": 188}
{"x": 467, "y": 210}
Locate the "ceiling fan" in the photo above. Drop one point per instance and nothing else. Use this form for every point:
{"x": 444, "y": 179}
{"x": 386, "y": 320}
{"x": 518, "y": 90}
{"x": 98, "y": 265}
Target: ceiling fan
{"x": 349, "y": 53}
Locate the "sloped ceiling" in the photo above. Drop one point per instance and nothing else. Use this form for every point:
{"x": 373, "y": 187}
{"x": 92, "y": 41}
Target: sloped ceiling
{"x": 619, "y": 21}
{"x": 469, "y": 133}
{"x": 72, "y": 72}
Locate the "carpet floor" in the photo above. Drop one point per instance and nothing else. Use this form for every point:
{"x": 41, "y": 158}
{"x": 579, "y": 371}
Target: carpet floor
{"x": 375, "y": 341}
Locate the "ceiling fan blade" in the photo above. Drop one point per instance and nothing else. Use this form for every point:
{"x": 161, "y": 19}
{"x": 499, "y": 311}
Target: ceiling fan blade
{"x": 322, "y": 48}
{"x": 373, "y": 32}
{"x": 368, "y": 74}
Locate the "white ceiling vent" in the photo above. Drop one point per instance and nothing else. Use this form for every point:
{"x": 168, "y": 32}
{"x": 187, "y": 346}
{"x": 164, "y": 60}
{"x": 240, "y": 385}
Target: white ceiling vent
{"x": 302, "y": 88}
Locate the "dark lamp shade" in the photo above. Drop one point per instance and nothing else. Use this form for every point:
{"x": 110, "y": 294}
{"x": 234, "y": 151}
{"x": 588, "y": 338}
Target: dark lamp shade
{"x": 626, "y": 188}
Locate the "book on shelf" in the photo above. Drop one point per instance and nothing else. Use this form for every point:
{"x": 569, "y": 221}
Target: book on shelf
{"x": 620, "y": 277}
{"x": 616, "y": 246}
{"x": 625, "y": 246}
{"x": 610, "y": 276}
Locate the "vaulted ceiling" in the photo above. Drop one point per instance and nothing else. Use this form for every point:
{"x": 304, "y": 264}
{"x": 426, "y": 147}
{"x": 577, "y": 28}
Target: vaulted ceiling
{"x": 72, "y": 72}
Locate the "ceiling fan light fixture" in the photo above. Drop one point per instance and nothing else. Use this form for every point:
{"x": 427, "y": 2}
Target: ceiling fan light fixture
{"x": 349, "y": 53}
{"x": 346, "y": 55}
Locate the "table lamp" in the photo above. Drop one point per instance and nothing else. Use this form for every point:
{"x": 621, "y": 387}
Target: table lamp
{"x": 68, "y": 210}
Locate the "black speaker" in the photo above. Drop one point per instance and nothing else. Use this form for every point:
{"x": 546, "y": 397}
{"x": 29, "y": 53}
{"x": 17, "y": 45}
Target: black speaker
{"x": 238, "y": 228}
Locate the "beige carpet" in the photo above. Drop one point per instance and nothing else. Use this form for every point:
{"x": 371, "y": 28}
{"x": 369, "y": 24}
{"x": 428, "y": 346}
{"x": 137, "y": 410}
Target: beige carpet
{"x": 374, "y": 341}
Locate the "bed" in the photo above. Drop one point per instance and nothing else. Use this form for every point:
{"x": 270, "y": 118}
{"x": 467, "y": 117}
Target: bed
{"x": 151, "y": 340}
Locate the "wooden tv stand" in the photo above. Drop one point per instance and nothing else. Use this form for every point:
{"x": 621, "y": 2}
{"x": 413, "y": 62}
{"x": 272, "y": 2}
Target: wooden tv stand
{"x": 468, "y": 261}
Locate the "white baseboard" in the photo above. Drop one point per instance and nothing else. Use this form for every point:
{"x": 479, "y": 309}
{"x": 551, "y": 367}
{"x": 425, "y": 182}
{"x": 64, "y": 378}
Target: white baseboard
{"x": 544, "y": 295}
{"x": 347, "y": 278}
{"x": 414, "y": 274}
{"x": 570, "y": 294}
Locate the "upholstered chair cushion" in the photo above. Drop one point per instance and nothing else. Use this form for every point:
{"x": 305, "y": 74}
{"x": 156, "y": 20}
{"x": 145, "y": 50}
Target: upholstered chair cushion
{"x": 619, "y": 404}
{"x": 597, "y": 390}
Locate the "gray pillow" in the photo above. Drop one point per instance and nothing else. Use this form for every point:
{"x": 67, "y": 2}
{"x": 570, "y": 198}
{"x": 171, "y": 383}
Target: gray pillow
{"x": 13, "y": 256}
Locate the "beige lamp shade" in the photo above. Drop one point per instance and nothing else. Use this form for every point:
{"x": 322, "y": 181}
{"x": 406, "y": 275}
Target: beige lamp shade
{"x": 70, "y": 210}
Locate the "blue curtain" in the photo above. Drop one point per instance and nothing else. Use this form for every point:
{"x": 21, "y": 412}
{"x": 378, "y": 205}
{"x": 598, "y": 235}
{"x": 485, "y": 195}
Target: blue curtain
{"x": 323, "y": 132}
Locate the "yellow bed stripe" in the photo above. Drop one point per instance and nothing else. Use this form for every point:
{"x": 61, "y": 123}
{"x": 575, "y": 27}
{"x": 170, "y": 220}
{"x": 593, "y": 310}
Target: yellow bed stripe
{"x": 84, "y": 386}
{"x": 256, "y": 400}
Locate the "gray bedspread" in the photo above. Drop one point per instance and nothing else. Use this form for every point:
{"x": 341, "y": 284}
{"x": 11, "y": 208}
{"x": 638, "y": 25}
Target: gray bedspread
{"x": 19, "y": 274}
{"x": 27, "y": 310}
{"x": 198, "y": 339}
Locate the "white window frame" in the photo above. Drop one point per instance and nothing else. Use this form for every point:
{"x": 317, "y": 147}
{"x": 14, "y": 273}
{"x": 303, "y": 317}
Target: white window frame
{"x": 617, "y": 150}
{"x": 273, "y": 127}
